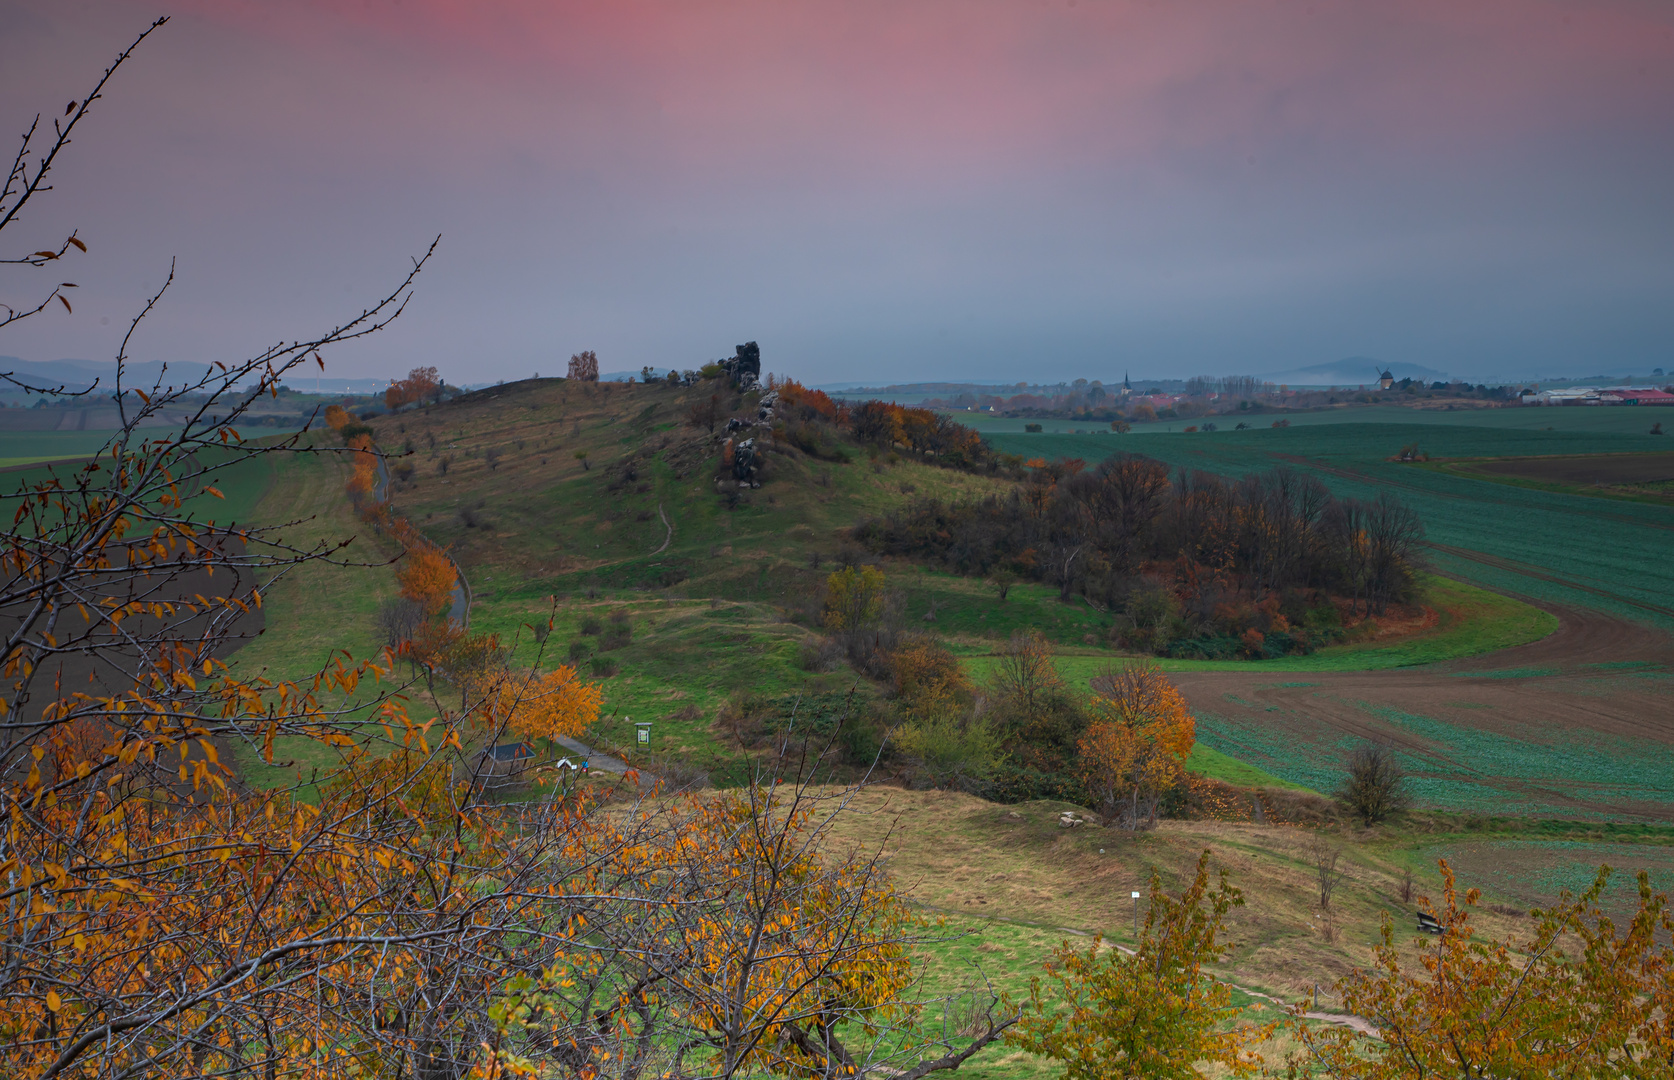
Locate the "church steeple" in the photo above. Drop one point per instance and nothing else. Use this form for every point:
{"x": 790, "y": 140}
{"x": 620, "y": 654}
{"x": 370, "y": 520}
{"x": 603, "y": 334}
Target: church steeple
{"x": 1125, "y": 384}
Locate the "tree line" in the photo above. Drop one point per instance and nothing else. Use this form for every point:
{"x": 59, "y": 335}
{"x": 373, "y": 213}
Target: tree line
{"x": 1184, "y": 557}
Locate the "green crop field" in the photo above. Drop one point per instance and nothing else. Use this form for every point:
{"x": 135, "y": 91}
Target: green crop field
{"x": 1451, "y": 766}
{"x": 27, "y": 447}
{"x": 1612, "y": 421}
{"x": 1534, "y": 872}
{"x": 1567, "y": 549}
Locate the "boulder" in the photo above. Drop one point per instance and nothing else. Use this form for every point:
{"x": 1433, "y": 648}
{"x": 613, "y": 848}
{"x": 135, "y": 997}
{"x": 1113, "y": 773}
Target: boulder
{"x": 745, "y": 463}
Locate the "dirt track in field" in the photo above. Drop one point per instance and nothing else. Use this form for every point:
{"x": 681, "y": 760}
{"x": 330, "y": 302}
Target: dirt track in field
{"x": 1590, "y": 676}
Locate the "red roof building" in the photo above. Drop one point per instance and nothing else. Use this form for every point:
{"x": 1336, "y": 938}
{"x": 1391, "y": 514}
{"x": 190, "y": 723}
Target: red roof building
{"x": 1629, "y": 396}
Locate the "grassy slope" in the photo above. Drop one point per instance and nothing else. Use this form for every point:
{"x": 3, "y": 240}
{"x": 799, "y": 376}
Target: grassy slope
{"x": 1019, "y": 885}
{"x": 320, "y": 607}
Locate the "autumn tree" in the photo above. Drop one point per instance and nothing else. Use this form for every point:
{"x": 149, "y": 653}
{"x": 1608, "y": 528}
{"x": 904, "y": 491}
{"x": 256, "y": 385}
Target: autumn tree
{"x": 421, "y": 384}
{"x": 427, "y": 577}
{"x": 584, "y": 366}
{"x": 1137, "y": 744}
{"x": 1103, "y": 1011}
{"x": 363, "y": 463}
{"x": 538, "y": 706}
{"x": 1576, "y": 995}
{"x": 756, "y": 947}
{"x": 856, "y": 602}
{"x": 937, "y": 727}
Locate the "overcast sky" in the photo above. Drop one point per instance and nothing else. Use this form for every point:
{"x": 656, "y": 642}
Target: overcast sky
{"x": 874, "y": 191}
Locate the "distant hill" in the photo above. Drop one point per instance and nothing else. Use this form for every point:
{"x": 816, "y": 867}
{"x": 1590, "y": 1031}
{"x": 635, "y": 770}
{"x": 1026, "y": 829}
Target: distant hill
{"x": 81, "y": 374}
{"x": 1352, "y": 371}
{"x": 75, "y": 375}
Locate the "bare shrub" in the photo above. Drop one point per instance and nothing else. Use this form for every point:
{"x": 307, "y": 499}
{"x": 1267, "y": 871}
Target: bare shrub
{"x": 821, "y": 654}
{"x": 1374, "y": 788}
{"x": 399, "y": 620}
{"x": 591, "y": 625}
{"x": 1325, "y": 857}
{"x": 1406, "y": 885}
{"x": 750, "y": 719}
{"x": 673, "y": 773}
{"x": 492, "y": 456}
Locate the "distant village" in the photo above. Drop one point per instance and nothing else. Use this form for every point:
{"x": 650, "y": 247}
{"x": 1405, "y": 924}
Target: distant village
{"x": 1199, "y": 397}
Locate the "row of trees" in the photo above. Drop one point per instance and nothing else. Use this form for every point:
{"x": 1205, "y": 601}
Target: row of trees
{"x": 1125, "y": 530}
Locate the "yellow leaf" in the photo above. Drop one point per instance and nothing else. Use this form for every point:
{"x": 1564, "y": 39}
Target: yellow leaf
{"x": 53, "y": 1001}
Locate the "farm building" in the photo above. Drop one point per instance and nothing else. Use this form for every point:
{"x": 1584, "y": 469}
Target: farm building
{"x": 1643, "y": 396}
{"x": 496, "y": 766}
{"x": 1593, "y": 395}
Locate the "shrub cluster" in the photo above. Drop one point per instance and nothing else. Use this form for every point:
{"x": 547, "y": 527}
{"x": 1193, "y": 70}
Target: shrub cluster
{"x": 810, "y": 420}
{"x": 1192, "y": 564}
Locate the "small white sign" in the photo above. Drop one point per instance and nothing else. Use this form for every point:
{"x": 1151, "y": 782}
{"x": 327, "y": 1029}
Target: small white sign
{"x": 1136, "y": 896}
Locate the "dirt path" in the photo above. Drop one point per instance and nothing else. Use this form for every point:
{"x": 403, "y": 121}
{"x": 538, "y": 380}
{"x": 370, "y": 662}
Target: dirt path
{"x": 1584, "y": 679}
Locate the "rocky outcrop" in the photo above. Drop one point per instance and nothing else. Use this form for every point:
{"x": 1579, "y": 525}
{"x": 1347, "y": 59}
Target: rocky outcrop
{"x": 744, "y": 369}
{"x": 746, "y": 462}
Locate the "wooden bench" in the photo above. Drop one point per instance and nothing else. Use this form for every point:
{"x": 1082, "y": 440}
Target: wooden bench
{"x": 1428, "y": 924}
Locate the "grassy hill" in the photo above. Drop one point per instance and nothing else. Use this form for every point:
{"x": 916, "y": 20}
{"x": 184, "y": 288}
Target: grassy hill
{"x": 719, "y": 590}
{"x": 588, "y": 503}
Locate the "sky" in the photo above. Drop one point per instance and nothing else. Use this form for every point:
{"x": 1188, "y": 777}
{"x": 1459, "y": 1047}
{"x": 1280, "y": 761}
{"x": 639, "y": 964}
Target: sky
{"x": 875, "y": 190}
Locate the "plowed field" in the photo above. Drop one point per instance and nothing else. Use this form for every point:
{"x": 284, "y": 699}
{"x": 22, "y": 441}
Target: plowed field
{"x": 1577, "y": 725}
{"x": 1586, "y": 468}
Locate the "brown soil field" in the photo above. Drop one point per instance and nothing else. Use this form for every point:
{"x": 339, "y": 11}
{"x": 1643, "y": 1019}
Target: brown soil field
{"x": 1586, "y": 468}
{"x": 1568, "y": 726}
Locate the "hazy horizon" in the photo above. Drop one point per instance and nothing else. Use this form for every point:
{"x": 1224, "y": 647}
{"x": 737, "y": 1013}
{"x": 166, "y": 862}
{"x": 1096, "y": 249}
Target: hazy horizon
{"x": 877, "y": 193}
